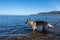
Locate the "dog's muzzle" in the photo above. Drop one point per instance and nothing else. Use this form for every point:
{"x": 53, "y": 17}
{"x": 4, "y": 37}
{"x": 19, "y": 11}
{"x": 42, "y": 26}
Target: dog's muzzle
{"x": 25, "y": 22}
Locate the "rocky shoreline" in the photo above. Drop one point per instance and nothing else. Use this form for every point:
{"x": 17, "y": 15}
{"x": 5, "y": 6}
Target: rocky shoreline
{"x": 33, "y": 36}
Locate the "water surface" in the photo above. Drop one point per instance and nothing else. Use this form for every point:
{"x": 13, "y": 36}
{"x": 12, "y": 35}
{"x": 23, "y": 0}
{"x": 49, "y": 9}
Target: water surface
{"x": 11, "y": 25}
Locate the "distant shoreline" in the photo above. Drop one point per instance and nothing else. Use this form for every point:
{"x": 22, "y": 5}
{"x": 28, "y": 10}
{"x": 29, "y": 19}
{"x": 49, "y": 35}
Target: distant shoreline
{"x": 56, "y": 13}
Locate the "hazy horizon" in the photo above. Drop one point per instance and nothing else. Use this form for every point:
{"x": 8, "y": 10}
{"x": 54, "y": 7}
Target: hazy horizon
{"x": 27, "y": 7}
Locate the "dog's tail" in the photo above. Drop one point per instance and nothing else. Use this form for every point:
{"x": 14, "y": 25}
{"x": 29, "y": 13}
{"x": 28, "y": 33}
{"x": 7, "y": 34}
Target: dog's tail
{"x": 50, "y": 25}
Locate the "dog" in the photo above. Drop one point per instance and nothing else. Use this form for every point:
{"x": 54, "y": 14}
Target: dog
{"x": 34, "y": 24}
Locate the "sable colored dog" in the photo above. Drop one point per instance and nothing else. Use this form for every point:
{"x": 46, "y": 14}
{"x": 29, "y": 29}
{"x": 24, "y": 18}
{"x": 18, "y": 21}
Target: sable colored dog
{"x": 34, "y": 25}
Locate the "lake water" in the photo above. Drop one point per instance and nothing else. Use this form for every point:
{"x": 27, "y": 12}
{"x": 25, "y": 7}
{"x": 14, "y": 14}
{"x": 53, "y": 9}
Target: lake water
{"x": 11, "y": 25}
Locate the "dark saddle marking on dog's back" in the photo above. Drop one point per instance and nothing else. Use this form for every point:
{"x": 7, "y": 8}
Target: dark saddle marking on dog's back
{"x": 38, "y": 23}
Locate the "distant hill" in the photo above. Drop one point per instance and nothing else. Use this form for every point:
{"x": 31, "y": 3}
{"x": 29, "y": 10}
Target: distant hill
{"x": 48, "y": 13}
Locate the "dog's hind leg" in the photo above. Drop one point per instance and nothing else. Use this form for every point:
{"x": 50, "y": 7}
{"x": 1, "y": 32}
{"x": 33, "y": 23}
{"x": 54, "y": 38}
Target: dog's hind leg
{"x": 44, "y": 28}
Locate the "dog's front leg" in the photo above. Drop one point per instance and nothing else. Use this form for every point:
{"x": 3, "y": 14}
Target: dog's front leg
{"x": 34, "y": 28}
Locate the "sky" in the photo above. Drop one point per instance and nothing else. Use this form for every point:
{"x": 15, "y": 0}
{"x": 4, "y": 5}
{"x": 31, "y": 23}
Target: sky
{"x": 27, "y": 7}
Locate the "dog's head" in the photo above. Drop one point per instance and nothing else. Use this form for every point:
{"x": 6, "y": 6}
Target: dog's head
{"x": 28, "y": 20}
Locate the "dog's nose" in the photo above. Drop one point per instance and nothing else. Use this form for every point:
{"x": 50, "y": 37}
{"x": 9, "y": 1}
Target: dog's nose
{"x": 25, "y": 22}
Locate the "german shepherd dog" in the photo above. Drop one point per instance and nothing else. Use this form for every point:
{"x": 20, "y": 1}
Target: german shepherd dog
{"x": 34, "y": 25}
